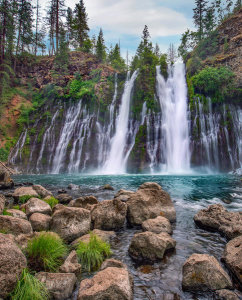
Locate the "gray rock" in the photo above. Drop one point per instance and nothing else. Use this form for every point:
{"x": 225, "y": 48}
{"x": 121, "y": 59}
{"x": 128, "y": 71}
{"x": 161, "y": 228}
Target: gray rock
{"x": 5, "y": 180}
{"x": 12, "y": 262}
{"x": 60, "y": 285}
{"x": 40, "y": 222}
{"x": 35, "y": 205}
{"x": 157, "y": 225}
{"x": 112, "y": 263}
{"x": 202, "y": 272}
{"x": 2, "y": 203}
{"x": 103, "y": 235}
{"x": 41, "y": 191}
{"x": 84, "y": 202}
{"x": 71, "y": 264}
{"x": 15, "y": 225}
{"x": 24, "y": 191}
{"x": 16, "y": 213}
{"x": 226, "y": 295}
{"x": 64, "y": 198}
{"x": 150, "y": 246}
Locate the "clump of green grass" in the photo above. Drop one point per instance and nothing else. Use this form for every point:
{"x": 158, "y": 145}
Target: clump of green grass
{"x": 23, "y": 199}
{"x": 30, "y": 288}
{"x": 46, "y": 252}
{"x": 16, "y": 207}
{"x": 6, "y": 213}
{"x": 93, "y": 253}
{"x": 52, "y": 201}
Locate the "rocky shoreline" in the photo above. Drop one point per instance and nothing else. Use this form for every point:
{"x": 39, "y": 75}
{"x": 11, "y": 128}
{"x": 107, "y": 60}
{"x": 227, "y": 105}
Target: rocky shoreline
{"x": 149, "y": 208}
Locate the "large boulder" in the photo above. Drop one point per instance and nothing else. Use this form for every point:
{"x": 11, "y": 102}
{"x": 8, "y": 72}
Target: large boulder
{"x": 232, "y": 256}
{"x": 226, "y": 295}
{"x": 64, "y": 198}
{"x": 5, "y": 180}
{"x": 149, "y": 202}
{"x": 84, "y": 202}
{"x": 109, "y": 214}
{"x": 202, "y": 272}
{"x": 40, "y": 222}
{"x": 217, "y": 218}
{"x": 71, "y": 222}
{"x": 110, "y": 283}
{"x": 60, "y": 285}
{"x": 71, "y": 264}
{"x": 35, "y": 205}
{"x": 157, "y": 225}
{"x": 2, "y": 203}
{"x": 15, "y": 226}
{"x": 150, "y": 246}
{"x": 41, "y": 191}
{"x": 16, "y": 213}
{"x": 25, "y": 191}
{"x": 103, "y": 235}
{"x": 12, "y": 262}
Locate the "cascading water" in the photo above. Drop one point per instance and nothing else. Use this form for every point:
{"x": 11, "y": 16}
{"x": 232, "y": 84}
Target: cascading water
{"x": 115, "y": 163}
{"x": 172, "y": 95}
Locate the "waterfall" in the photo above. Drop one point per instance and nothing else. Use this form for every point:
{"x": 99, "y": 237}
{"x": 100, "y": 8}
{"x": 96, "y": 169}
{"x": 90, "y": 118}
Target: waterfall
{"x": 18, "y": 147}
{"x": 115, "y": 163}
{"x": 173, "y": 102}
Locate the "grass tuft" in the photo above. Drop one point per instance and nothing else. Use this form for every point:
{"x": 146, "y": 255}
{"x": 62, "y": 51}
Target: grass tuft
{"x": 93, "y": 253}
{"x": 52, "y": 201}
{"x": 23, "y": 199}
{"x": 46, "y": 252}
{"x": 6, "y": 213}
{"x": 30, "y": 288}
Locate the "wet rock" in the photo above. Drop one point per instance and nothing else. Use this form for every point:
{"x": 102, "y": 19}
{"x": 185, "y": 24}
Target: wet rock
{"x": 64, "y": 198}
{"x": 202, "y": 272}
{"x": 73, "y": 187}
{"x": 12, "y": 262}
{"x": 2, "y": 203}
{"x": 226, "y": 295}
{"x": 60, "y": 285}
{"x": 150, "y": 246}
{"x": 107, "y": 187}
{"x": 25, "y": 191}
{"x": 16, "y": 213}
{"x": 157, "y": 225}
{"x": 40, "y": 222}
{"x": 84, "y": 202}
{"x": 71, "y": 222}
{"x": 112, "y": 263}
{"x": 41, "y": 191}
{"x": 217, "y": 218}
{"x": 109, "y": 215}
{"x": 123, "y": 195}
{"x": 110, "y": 283}
{"x": 103, "y": 235}
{"x": 15, "y": 226}
{"x": 62, "y": 191}
{"x": 71, "y": 264}
{"x": 35, "y": 205}
{"x": 232, "y": 256}
{"x": 5, "y": 180}
{"x": 149, "y": 202}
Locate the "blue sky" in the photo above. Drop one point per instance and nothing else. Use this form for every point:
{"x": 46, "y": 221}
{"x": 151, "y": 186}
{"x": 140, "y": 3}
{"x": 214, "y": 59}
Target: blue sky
{"x": 124, "y": 20}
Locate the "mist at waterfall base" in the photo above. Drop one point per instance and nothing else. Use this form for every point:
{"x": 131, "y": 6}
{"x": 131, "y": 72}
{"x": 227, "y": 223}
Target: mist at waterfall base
{"x": 77, "y": 141}
{"x": 189, "y": 194}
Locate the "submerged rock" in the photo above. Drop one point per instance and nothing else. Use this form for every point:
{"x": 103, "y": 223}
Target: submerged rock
{"x": 150, "y": 246}
{"x": 150, "y": 201}
{"x": 14, "y": 225}
{"x": 109, "y": 215}
{"x": 35, "y": 205}
{"x": 110, "y": 283}
{"x": 112, "y": 263}
{"x": 12, "y": 262}
{"x": 71, "y": 264}
{"x": 232, "y": 257}
{"x": 107, "y": 187}
{"x": 157, "y": 225}
{"x": 60, "y": 285}
{"x": 202, "y": 272}
{"x": 217, "y": 218}
{"x": 71, "y": 222}
{"x": 40, "y": 222}
{"x": 103, "y": 235}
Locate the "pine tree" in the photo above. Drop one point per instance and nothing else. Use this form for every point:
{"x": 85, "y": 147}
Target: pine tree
{"x": 209, "y": 20}
{"x": 100, "y": 47}
{"x": 171, "y": 55}
{"x": 80, "y": 26}
{"x": 198, "y": 16}
{"x": 37, "y": 22}
{"x": 145, "y": 36}
{"x": 157, "y": 50}
{"x": 69, "y": 25}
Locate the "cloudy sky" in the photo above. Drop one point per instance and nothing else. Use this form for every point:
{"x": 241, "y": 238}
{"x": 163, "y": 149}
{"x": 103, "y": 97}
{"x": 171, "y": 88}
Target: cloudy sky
{"x": 124, "y": 20}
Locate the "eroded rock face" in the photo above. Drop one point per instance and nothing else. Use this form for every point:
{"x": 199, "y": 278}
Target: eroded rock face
{"x": 71, "y": 222}
{"x": 150, "y": 246}
{"x": 2, "y": 203}
{"x": 103, "y": 235}
{"x": 157, "y": 225}
{"x": 24, "y": 191}
{"x": 15, "y": 225}
{"x": 16, "y": 213}
{"x": 84, "y": 202}
{"x": 12, "y": 262}
{"x": 71, "y": 264}
{"x": 149, "y": 202}
{"x": 232, "y": 256}
{"x": 202, "y": 272}
{"x": 40, "y": 222}
{"x": 111, "y": 283}
{"x": 35, "y": 205}
{"x": 226, "y": 295}
{"x": 41, "y": 191}
{"x": 109, "y": 215}
{"x": 60, "y": 285}
{"x": 217, "y": 218}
